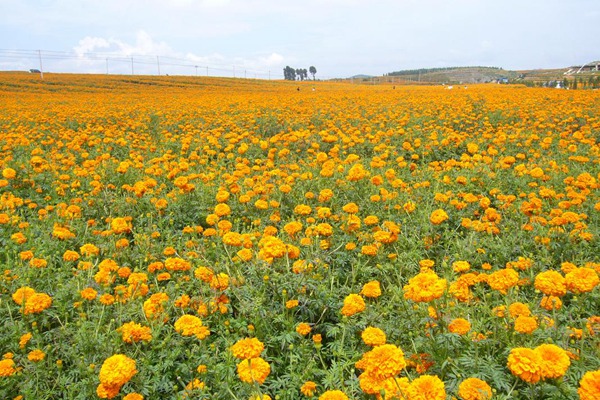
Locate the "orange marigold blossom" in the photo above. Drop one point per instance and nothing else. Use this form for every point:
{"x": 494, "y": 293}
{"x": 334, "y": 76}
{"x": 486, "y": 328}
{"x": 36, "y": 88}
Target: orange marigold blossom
{"x": 525, "y": 364}
{"x": 459, "y": 326}
{"x": 190, "y": 325}
{"x": 438, "y": 216}
{"x": 308, "y": 388}
{"x": 333, "y": 395}
{"x": 371, "y": 289}
{"x": 247, "y": 348}
{"x": 554, "y": 361}
{"x": 589, "y": 386}
{"x": 426, "y": 387}
{"x": 424, "y": 287}
{"x": 474, "y": 389}
{"x": 373, "y": 336}
{"x": 253, "y": 370}
{"x": 117, "y": 370}
{"x": 382, "y": 362}
{"x": 353, "y": 304}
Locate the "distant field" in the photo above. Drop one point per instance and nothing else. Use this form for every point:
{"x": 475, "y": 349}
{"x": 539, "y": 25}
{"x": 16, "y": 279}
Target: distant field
{"x": 211, "y": 238}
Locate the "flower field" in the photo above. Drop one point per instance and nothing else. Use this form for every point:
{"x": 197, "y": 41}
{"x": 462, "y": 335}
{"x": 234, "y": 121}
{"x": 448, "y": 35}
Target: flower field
{"x": 206, "y": 238}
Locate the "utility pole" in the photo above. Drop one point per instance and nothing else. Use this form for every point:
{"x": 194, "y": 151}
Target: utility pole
{"x": 41, "y": 67}
{"x": 195, "y": 66}
{"x": 234, "y": 71}
{"x": 207, "y": 70}
{"x": 132, "y": 66}
{"x": 106, "y": 65}
{"x": 158, "y": 64}
{"x": 269, "y": 75}
{"x": 244, "y": 74}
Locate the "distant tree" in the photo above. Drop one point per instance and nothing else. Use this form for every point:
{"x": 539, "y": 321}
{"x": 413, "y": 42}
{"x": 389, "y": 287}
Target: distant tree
{"x": 565, "y": 83}
{"x": 574, "y": 85}
{"x": 289, "y": 73}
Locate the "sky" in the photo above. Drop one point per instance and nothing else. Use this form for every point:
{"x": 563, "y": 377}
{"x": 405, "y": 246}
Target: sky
{"x": 258, "y": 38}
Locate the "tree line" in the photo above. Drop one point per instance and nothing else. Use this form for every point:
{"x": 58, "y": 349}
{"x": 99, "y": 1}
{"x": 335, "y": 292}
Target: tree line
{"x": 292, "y": 74}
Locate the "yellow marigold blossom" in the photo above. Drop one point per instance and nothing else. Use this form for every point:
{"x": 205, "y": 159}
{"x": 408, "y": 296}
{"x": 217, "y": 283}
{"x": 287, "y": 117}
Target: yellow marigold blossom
{"x": 88, "y": 293}
{"x": 133, "y": 396}
{"x": 582, "y": 280}
{"x": 36, "y": 355}
{"x": 589, "y": 386}
{"x": 260, "y": 397}
{"x": 525, "y": 324}
{"x": 89, "y": 249}
{"x": 382, "y": 362}
{"x": 7, "y": 367}
{"x": 308, "y": 388}
{"x": 18, "y": 238}
{"x": 133, "y": 332}
{"x": 222, "y": 210}
{"x": 247, "y": 348}
{"x": 36, "y": 303}
{"x": 219, "y": 281}
{"x": 177, "y": 264}
{"x": 460, "y": 326}
{"x": 153, "y": 307}
{"x": 117, "y": 370}
{"x": 424, "y": 287}
{"x": 38, "y": 263}
{"x": 525, "y": 364}
{"x": 371, "y": 289}
{"x": 253, "y": 370}
{"x": 190, "y": 325}
{"x": 333, "y": 395}
{"x": 554, "y": 361}
{"x": 438, "y": 216}
{"x": 503, "y": 279}
{"x": 551, "y": 303}
{"x": 302, "y": 209}
{"x": 373, "y": 336}
{"x": 426, "y": 387}
{"x": 518, "y": 309}
{"x": 70, "y": 255}
{"x": 204, "y": 273}
{"x": 353, "y": 304}
{"x": 9, "y": 173}
{"x": 120, "y": 225}
{"x": 25, "y": 338}
{"x": 551, "y": 283}
{"x": 303, "y": 328}
{"x": 291, "y": 304}
{"x": 62, "y": 232}
{"x": 22, "y": 294}
{"x": 461, "y": 266}
{"x": 474, "y": 389}
{"x": 350, "y": 208}
{"x": 107, "y": 391}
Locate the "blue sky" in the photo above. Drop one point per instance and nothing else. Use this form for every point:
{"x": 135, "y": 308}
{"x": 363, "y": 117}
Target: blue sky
{"x": 339, "y": 37}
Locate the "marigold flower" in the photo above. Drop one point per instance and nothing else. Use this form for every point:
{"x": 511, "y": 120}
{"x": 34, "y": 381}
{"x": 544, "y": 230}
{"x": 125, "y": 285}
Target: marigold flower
{"x": 36, "y": 303}
{"x": 424, "y": 287}
{"x": 589, "y": 386}
{"x": 525, "y": 324}
{"x": 308, "y": 389}
{"x": 333, "y": 395}
{"x": 582, "y": 280}
{"x": 133, "y": 396}
{"x": 525, "y": 364}
{"x": 382, "y": 362}
{"x": 88, "y": 293}
{"x": 36, "y": 355}
{"x": 247, "y": 348}
{"x": 438, "y": 216}
{"x": 22, "y": 294}
{"x": 7, "y": 367}
{"x": 503, "y": 279}
{"x": 303, "y": 328}
{"x": 474, "y": 389}
{"x": 117, "y": 370}
{"x": 373, "y": 336}
{"x": 190, "y": 325}
{"x": 133, "y": 332}
{"x": 460, "y": 326}
{"x": 554, "y": 361}
{"x": 371, "y": 289}
{"x": 426, "y": 387}
{"x": 551, "y": 283}
{"x": 353, "y": 304}
{"x": 120, "y": 225}
{"x": 253, "y": 370}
